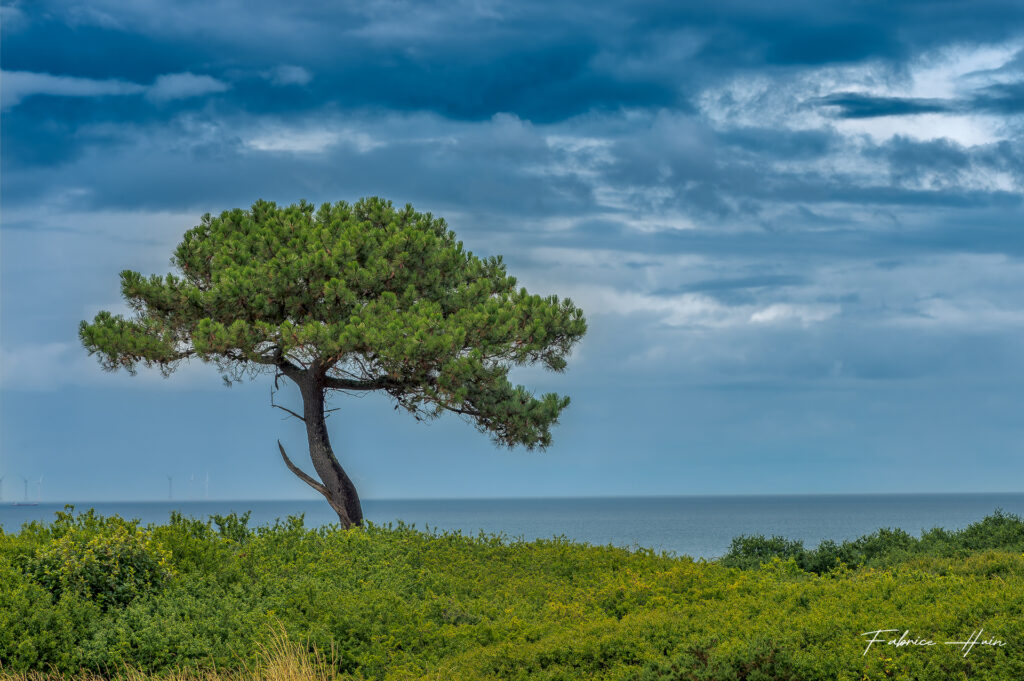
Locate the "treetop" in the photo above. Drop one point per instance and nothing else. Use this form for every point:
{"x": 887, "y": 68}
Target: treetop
{"x": 361, "y": 296}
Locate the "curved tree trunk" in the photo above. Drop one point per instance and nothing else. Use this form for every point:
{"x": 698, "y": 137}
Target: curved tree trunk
{"x": 337, "y": 487}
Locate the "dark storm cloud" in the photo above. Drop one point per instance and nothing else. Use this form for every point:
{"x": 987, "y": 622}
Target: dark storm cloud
{"x": 536, "y": 64}
{"x": 50, "y": 45}
{"x": 854, "y": 105}
{"x": 540, "y": 61}
{"x": 1004, "y": 98}
{"x": 805, "y": 32}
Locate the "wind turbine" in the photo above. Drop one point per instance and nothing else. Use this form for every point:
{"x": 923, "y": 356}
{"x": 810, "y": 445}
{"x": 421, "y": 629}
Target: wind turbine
{"x": 206, "y": 491}
{"x": 191, "y": 480}
{"x": 26, "y": 488}
{"x": 39, "y": 489}
{"x": 170, "y": 488}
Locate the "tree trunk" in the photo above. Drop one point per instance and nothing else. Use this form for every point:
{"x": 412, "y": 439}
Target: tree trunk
{"x": 337, "y": 487}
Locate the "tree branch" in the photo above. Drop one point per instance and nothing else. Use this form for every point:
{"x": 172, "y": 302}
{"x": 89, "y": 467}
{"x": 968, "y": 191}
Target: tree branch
{"x": 287, "y": 410}
{"x": 350, "y": 384}
{"x": 464, "y": 412}
{"x": 272, "y": 404}
{"x": 286, "y": 367}
{"x": 301, "y": 474}
{"x": 263, "y": 359}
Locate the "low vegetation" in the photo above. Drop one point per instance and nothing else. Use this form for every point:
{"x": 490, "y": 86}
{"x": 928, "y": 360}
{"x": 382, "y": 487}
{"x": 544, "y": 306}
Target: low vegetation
{"x": 91, "y": 596}
{"x": 884, "y": 548}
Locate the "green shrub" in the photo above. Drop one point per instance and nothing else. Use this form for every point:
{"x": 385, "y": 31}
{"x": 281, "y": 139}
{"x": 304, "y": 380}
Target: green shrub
{"x": 751, "y": 551}
{"x": 233, "y": 526}
{"x": 1000, "y": 530}
{"x": 109, "y": 560}
{"x": 93, "y": 594}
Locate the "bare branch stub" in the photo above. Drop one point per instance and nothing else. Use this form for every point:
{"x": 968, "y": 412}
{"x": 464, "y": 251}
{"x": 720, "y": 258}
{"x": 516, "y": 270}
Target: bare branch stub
{"x": 278, "y": 406}
{"x": 301, "y": 474}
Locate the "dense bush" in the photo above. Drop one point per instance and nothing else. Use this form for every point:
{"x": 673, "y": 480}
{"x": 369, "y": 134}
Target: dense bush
{"x": 107, "y": 560}
{"x": 752, "y": 551}
{"x": 393, "y": 602}
{"x": 1002, "y": 531}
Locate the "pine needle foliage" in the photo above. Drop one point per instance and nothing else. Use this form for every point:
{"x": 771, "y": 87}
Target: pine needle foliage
{"x": 373, "y": 296}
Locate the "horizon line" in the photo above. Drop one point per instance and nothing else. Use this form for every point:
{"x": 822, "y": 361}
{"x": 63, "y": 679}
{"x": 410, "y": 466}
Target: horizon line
{"x": 16, "y": 502}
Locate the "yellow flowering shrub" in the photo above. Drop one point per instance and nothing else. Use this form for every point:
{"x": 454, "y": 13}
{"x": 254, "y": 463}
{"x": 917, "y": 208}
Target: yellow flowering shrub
{"x": 102, "y": 595}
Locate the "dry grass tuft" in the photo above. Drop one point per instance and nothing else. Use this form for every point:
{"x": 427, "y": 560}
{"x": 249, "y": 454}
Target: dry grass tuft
{"x": 280, "y": 659}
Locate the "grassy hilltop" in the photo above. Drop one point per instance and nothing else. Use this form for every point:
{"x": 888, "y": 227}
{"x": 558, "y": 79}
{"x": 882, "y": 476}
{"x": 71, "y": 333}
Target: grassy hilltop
{"x": 92, "y": 595}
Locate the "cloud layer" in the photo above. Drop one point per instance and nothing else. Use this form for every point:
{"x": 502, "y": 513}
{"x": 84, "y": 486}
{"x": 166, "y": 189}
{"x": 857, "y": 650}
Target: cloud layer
{"x": 786, "y": 198}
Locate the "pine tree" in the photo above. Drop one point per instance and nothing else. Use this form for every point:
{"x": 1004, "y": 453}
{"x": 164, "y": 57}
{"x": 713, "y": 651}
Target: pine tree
{"x": 349, "y": 297}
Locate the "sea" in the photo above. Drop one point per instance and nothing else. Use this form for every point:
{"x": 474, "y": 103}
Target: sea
{"x": 695, "y": 526}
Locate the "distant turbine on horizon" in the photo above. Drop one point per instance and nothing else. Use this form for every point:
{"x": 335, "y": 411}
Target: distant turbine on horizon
{"x": 39, "y": 489}
{"x": 170, "y": 488}
{"x": 26, "y": 488}
{"x": 206, "y": 491}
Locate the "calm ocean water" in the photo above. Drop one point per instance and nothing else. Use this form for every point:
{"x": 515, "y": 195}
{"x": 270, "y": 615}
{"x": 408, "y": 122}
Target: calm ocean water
{"x": 698, "y": 526}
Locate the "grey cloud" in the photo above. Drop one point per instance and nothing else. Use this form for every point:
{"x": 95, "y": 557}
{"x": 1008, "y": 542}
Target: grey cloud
{"x": 749, "y": 282}
{"x": 785, "y": 144}
{"x": 946, "y": 161}
{"x": 18, "y": 85}
{"x": 909, "y": 159}
{"x": 183, "y": 85}
{"x": 288, "y": 74}
{"x": 610, "y": 180}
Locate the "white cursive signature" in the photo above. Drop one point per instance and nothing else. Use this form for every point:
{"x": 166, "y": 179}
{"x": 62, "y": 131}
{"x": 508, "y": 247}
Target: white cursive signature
{"x": 906, "y": 640}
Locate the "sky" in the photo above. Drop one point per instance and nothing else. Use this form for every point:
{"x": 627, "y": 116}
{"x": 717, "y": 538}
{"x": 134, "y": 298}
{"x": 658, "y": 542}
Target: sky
{"x": 796, "y": 231}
